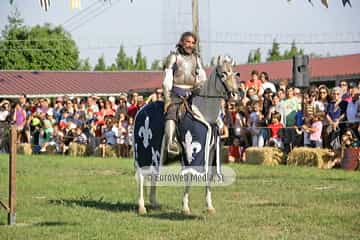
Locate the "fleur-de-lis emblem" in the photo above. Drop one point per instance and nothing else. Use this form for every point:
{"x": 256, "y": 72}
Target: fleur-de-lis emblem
{"x": 145, "y": 133}
{"x": 155, "y": 157}
{"x": 191, "y": 147}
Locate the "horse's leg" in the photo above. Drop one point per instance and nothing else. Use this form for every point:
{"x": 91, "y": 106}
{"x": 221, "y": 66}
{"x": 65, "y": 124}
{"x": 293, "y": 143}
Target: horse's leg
{"x": 210, "y": 208}
{"x": 153, "y": 202}
{"x": 141, "y": 209}
{"x": 186, "y": 209}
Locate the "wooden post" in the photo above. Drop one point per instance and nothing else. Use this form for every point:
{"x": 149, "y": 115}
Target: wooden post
{"x": 195, "y": 22}
{"x": 12, "y": 177}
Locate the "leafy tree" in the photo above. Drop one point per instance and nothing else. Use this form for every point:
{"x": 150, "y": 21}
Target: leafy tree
{"x": 274, "y": 53}
{"x": 293, "y": 51}
{"x": 100, "y": 66}
{"x": 129, "y": 64}
{"x": 254, "y": 56}
{"x": 140, "y": 61}
{"x": 121, "y": 59}
{"x": 157, "y": 65}
{"x": 85, "y": 65}
{"x": 113, "y": 67}
{"x": 40, "y": 47}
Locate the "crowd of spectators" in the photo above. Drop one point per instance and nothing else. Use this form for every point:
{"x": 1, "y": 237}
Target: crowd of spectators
{"x": 58, "y": 122}
{"x": 260, "y": 114}
{"x": 284, "y": 116}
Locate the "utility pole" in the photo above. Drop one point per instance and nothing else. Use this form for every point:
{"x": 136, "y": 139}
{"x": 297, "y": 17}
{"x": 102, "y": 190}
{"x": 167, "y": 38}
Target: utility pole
{"x": 195, "y": 22}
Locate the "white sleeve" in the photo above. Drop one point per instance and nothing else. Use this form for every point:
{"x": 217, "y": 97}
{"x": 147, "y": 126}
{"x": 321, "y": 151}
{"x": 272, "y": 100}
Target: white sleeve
{"x": 168, "y": 80}
{"x": 168, "y": 75}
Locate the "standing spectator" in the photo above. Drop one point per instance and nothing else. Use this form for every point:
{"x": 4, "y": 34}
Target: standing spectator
{"x": 20, "y": 121}
{"x": 275, "y": 126}
{"x": 344, "y": 91}
{"x": 315, "y": 130}
{"x": 266, "y": 84}
{"x": 156, "y": 96}
{"x": 130, "y": 135}
{"x": 290, "y": 108}
{"x": 109, "y": 111}
{"x": 91, "y": 104}
{"x": 254, "y": 82}
{"x": 335, "y": 113}
{"x": 254, "y": 123}
{"x": 123, "y": 135}
{"x": 133, "y": 107}
{"x": 122, "y": 106}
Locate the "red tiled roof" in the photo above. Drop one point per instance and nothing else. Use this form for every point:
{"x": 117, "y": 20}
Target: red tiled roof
{"x": 60, "y": 83}
{"x": 319, "y": 67}
{"x": 86, "y": 83}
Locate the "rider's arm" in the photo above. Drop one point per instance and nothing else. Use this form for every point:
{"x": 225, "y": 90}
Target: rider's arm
{"x": 168, "y": 76}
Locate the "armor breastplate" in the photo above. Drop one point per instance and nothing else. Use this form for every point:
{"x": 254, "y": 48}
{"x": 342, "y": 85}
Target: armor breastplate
{"x": 185, "y": 70}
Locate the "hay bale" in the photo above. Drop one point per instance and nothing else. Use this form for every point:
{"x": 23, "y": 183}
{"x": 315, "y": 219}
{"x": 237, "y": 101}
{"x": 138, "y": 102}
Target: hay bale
{"x": 78, "y": 150}
{"x": 24, "y": 148}
{"x": 109, "y": 151}
{"x": 305, "y": 156}
{"x": 269, "y": 156}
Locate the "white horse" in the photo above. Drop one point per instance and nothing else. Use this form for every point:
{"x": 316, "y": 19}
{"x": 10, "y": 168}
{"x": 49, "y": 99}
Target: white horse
{"x": 220, "y": 84}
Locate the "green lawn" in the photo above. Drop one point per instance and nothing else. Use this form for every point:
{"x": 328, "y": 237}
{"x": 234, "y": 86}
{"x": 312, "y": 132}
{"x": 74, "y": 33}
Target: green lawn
{"x": 92, "y": 198}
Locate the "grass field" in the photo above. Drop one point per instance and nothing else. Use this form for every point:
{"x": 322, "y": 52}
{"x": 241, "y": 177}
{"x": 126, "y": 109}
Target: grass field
{"x": 92, "y": 198}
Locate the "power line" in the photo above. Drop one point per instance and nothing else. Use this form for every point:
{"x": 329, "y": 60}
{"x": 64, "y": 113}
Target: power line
{"x": 169, "y": 44}
{"x": 81, "y": 12}
{"x": 92, "y": 17}
{"x": 283, "y": 43}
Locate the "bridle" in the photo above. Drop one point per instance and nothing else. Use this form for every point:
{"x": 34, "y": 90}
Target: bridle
{"x": 220, "y": 76}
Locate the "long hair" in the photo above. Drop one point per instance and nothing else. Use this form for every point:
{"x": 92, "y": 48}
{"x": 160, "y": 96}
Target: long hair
{"x": 185, "y": 35}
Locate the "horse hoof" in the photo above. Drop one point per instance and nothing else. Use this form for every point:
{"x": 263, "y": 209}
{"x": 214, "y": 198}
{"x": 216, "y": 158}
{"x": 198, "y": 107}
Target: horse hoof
{"x": 186, "y": 212}
{"x": 155, "y": 206}
{"x": 142, "y": 210}
{"x": 211, "y": 211}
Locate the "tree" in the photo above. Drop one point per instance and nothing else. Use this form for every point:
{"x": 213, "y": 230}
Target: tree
{"x": 274, "y": 53}
{"x": 140, "y": 61}
{"x": 129, "y": 64}
{"x": 293, "y": 51}
{"x": 113, "y": 67}
{"x": 37, "y": 48}
{"x": 254, "y": 56}
{"x": 157, "y": 65}
{"x": 85, "y": 65}
{"x": 100, "y": 66}
{"x": 121, "y": 59}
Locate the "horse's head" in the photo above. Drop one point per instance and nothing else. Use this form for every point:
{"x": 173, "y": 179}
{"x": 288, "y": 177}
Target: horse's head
{"x": 224, "y": 70}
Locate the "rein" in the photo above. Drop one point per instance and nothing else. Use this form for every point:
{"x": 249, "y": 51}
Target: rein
{"x": 223, "y": 84}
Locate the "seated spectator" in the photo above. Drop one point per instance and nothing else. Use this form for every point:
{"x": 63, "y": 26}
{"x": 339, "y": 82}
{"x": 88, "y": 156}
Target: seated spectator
{"x": 80, "y": 137}
{"x": 236, "y": 151}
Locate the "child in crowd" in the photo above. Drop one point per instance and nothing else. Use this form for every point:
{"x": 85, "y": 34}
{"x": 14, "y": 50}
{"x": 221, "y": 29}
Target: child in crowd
{"x": 316, "y": 130}
{"x": 80, "y": 137}
{"x": 275, "y": 126}
{"x": 255, "y": 119}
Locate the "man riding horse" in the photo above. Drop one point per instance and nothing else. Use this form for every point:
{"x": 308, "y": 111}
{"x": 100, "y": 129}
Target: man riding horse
{"x": 184, "y": 75}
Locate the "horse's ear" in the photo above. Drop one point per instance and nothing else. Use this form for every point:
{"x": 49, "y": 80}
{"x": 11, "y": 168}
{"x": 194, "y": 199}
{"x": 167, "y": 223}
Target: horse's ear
{"x": 220, "y": 60}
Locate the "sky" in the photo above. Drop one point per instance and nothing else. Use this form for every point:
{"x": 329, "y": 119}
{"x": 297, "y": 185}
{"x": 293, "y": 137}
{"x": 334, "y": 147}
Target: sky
{"x": 232, "y": 27}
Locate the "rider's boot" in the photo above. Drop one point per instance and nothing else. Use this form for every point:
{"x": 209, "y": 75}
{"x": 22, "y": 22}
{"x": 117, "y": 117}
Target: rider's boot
{"x": 170, "y": 132}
